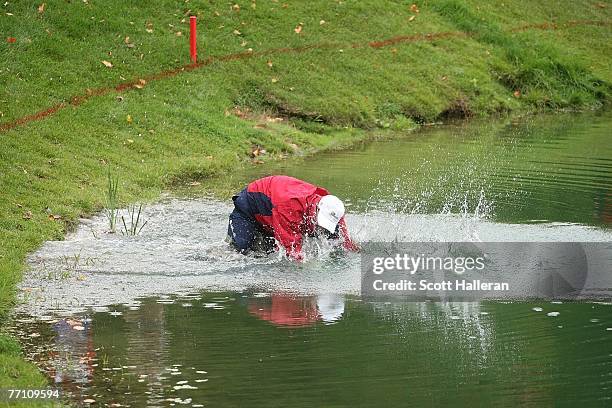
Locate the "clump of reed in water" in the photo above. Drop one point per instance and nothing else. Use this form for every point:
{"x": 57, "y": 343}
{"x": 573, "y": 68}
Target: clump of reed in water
{"x": 135, "y": 221}
{"x": 112, "y": 211}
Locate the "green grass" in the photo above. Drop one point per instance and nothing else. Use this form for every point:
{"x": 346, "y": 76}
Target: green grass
{"x": 193, "y": 126}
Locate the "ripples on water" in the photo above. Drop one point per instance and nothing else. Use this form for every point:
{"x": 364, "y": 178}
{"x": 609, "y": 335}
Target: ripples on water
{"x": 173, "y": 316}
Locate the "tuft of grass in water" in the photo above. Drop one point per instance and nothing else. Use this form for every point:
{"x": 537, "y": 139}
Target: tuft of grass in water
{"x": 111, "y": 209}
{"x": 136, "y": 224}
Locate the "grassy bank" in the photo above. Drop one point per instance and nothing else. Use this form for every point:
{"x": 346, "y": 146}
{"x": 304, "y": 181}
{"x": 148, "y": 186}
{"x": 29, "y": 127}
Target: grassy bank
{"x": 307, "y": 76}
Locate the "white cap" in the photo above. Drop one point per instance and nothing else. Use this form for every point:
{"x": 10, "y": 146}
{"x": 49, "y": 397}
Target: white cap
{"x": 331, "y": 209}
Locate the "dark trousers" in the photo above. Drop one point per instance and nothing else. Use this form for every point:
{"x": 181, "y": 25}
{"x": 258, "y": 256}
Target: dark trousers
{"x": 247, "y": 235}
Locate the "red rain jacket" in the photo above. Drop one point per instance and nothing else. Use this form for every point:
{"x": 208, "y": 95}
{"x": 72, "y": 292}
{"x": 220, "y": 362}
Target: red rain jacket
{"x": 294, "y": 208}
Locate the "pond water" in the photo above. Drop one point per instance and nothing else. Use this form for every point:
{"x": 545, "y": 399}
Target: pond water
{"x": 173, "y": 317}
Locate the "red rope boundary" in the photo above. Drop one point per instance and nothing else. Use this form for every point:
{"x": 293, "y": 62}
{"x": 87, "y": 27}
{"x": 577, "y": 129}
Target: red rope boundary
{"x": 90, "y": 93}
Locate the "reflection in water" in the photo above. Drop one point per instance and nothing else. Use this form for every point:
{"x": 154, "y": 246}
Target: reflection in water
{"x": 283, "y": 309}
{"x": 147, "y": 342}
{"x": 71, "y": 361}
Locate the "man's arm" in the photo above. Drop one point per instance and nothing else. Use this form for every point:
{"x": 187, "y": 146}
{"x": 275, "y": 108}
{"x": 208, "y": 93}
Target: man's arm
{"x": 348, "y": 243}
{"x": 287, "y": 232}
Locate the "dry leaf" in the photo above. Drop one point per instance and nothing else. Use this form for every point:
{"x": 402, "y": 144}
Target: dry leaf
{"x": 41, "y": 8}
{"x": 107, "y": 64}
{"x": 236, "y": 7}
{"x": 411, "y": 18}
{"x": 269, "y": 63}
{"x": 236, "y": 32}
{"x": 298, "y": 29}
{"x": 149, "y": 30}
{"x": 11, "y": 40}
{"x": 195, "y": 183}
{"x": 517, "y": 93}
{"x": 274, "y": 80}
{"x": 129, "y": 119}
{"x": 178, "y": 33}
{"x": 126, "y": 40}
{"x": 27, "y": 215}
{"x": 414, "y": 8}
{"x": 321, "y": 22}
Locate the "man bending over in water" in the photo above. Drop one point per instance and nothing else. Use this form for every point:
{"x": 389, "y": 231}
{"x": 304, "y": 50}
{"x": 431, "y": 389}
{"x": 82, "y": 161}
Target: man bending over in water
{"x": 284, "y": 208}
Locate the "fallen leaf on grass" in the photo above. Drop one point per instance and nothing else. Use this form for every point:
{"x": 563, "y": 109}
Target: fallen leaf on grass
{"x": 107, "y": 64}
{"x": 414, "y": 8}
{"x": 41, "y": 8}
{"x": 149, "y": 30}
{"x": 298, "y": 29}
{"x": 257, "y": 151}
{"x": 274, "y": 80}
{"x": 178, "y": 34}
{"x": 269, "y": 63}
{"x": 55, "y": 217}
{"x": 141, "y": 83}
{"x": 236, "y": 32}
{"x": 194, "y": 183}
{"x": 236, "y": 7}
{"x": 411, "y": 18}
{"x": 11, "y": 40}
{"x": 27, "y": 215}
{"x": 517, "y": 93}
{"x": 129, "y": 119}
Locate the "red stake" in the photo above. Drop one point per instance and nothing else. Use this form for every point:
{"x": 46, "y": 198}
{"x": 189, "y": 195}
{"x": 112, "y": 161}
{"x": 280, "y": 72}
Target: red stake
{"x": 192, "y": 39}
